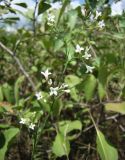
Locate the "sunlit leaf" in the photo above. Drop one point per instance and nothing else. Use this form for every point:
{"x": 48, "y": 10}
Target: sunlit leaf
{"x": 116, "y": 107}
{"x": 67, "y": 126}
{"x": 17, "y": 87}
{"x": 66, "y": 2}
{"x": 61, "y": 146}
{"x": 105, "y": 150}
{"x": 9, "y": 134}
{"x": 89, "y": 87}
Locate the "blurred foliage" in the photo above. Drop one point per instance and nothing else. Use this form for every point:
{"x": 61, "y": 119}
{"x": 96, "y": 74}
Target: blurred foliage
{"x": 64, "y": 121}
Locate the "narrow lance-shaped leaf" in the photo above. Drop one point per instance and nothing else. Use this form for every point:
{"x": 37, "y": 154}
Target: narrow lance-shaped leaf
{"x": 66, "y": 2}
{"x": 1, "y": 94}
{"x": 24, "y": 5}
{"x": 105, "y": 150}
{"x": 17, "y": 87}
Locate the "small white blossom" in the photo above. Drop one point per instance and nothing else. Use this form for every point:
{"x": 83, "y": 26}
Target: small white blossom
{"x": 67, "y": 90}
{"x": 101, "y": 24}
{"x": 46, "y": 74}
{"x": 39, "y": 95}
{"x": 79, "y": 49}
{"x": 32, "y": 126}
{"x": 83, "y": 10}
{"x": 87, "y": 55}
{"x": 89, "y": 69}
{"x": 54, "y": 91}
{"x": 91, "y": 17}
{"x": 23, "y": 121}
{"x": 51, "y": 19}
{"x": 98, "y": 14}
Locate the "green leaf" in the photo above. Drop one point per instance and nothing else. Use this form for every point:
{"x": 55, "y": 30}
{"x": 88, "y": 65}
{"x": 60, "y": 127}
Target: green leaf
{"x": 72, "y": 17}
{"x": 58, "y": 44}
{"x": 102, "y": 81}
{"x": 61, "y": 146}
{"x": 24, "y": 5}
{"x": 1, "y": 94}
{"x": 105, "y": 150}
{"x": 66, "y": 2}
{"x": 4, "y": 126}
{"x": 89, "y": 87}
{"x": 116, "y": 107}
{"x": 8, "y": 93}
{"x": 9, "y": 134}
{"x": 12, "y": 19}
{"x": 101, "y": 91}
{"x": 72, "y": 80}
{"x": 67, "y": 126}
{"x": 70, "y": 51}
{"x": 119, "y": 35}
{"x": 57, "y": 107}
{"x": 17, "y": 87}
{"x": 43, "y": 7}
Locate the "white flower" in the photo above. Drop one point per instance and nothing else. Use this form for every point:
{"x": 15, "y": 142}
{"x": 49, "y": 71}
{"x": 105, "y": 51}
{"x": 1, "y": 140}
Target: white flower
{"x": 63, "y": 86}
{"x": 79, "y": 49}
{"x": 87, "y": 55}
{"x": 39, "y": 95}
{"x": 32, "y": 126}
{"x": 89, "y": 69}
{"x": 97, "y": 14}
{"x": 101, "y": 24}
{"x": 83, "y": 10}
{"x": 91, "y": 17}
{"x": 67, "y": 90}
{"x": 46, "y": 74}
{"x": 23, "y": 121}
{"x": 51, "y": 19}
{"x": 54, "y": 91}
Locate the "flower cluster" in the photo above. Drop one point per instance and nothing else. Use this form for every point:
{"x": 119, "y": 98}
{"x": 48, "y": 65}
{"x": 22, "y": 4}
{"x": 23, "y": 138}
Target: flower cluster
{"x": 51, "y": 19}
{"x": 86, "y": 56}
{"x": 27, "y": 122}
{"x": 101, "y": 23}
{"x": 53, "y": 90}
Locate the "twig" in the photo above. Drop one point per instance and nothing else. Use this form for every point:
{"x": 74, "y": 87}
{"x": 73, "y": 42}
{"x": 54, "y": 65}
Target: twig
{"x": 88, "y": 128}
{"x": 18, "y": 63}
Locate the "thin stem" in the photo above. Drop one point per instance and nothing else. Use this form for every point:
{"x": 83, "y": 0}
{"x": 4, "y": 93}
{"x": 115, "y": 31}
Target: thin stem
{"x": 11, "y": 53}
{"x": 35, "y": 17}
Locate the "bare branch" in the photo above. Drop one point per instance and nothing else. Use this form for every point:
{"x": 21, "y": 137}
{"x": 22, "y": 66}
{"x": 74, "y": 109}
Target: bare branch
{"x": 18, "y": 63}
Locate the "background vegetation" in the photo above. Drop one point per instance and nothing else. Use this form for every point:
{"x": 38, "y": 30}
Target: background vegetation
{"x": 87, "y": 122}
